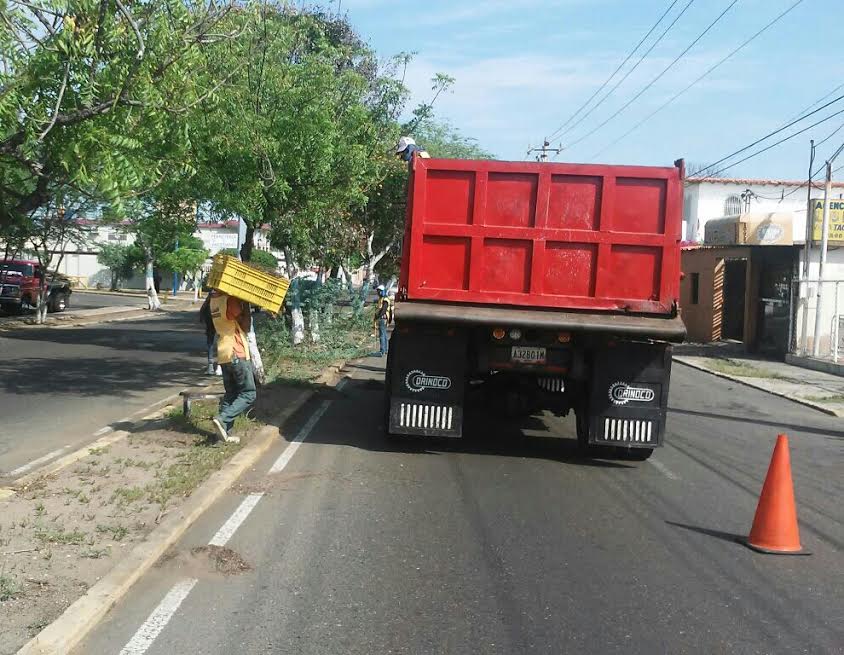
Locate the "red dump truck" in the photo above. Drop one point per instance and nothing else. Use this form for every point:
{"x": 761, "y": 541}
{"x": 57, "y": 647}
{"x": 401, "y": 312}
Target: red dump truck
{"x": 542, "y": 286}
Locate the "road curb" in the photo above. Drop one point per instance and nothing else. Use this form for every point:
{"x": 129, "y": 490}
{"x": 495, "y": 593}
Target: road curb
{"x": 726, "y": 376}
{"x": 63, "y": 634}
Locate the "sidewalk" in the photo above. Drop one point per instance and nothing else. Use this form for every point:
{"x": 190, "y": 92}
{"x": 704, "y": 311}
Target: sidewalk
{"x": 815, "y": 389}
{"x": 164, "y": 296}
{"x": 74, "y": 317}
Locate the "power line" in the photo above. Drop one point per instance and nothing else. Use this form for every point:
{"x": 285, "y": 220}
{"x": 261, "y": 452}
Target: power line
{"x": 774, "y": 133}
{"x": 620, "y": 66}
{"x": 658, "y": 77}
{"x": 710, "y": 70}
{"x": 635, "y": 66}
{"x": 830, "y": 135}
{"x": 775, "y": 144}
{"x": 840, "y": 86}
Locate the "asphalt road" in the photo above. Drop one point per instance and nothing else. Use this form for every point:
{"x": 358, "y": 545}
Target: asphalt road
{"x": 87, "y": 300}
{"x": 507, "y": 542}
{"x": 58, "y": 386}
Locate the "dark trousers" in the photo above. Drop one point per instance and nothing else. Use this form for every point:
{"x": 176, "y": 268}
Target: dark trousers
{"x": 382, "y": 335}
{"x": 240, "y": 391}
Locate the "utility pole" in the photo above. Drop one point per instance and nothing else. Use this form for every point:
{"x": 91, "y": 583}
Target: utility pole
{"x": 807, "y": 253}
{"x": 544, "y": 150}
{"x": 816, "y": 345}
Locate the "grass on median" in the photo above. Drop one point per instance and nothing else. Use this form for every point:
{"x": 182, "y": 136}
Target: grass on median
{"x": 741, "y": 369}
{"x": 346, "y": 338}
{"x": 8, "y": 588}
{"x": 834, "y": 399}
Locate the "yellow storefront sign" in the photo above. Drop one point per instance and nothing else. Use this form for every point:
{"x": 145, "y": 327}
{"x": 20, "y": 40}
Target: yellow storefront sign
{"x": 836, "y": 220}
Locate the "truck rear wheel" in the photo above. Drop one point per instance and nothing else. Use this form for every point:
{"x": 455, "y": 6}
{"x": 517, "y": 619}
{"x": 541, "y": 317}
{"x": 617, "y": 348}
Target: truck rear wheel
{"x": 634, "y": 454}
{"x": 58, "y": 302}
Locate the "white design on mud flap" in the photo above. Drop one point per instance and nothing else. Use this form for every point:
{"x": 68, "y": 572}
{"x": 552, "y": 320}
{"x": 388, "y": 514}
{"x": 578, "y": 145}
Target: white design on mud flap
{"x": 621, "y": 393}
{"x": 418, "y": 381}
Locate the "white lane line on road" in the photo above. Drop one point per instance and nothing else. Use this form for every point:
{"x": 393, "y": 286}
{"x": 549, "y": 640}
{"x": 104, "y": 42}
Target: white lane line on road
{"x": 159, "y": 618}
{"x": 155, "y": 404}
{"x": 230, "y": 527}
{"x": 288, "y": 453}
{"x": 342, "y": 383}
{"x": 102, "y": 431}
{"x": 36, "y": 462}
{"x": 161, "y": 615}
{"x": 662, "y": 468}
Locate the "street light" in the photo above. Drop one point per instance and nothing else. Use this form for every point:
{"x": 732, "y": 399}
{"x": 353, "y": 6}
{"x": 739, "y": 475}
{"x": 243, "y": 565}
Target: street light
{"x": 816, "y": 344}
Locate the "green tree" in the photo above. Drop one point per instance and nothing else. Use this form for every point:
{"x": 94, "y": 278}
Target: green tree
{"x": 85, "y": 85}
{"x": 260, "y": 258}
{"x": 443, "y": 140}
{"x": 121, "y": 260}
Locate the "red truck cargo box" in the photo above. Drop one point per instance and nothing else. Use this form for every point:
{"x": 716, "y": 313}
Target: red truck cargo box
{"x": 540, "y": 235}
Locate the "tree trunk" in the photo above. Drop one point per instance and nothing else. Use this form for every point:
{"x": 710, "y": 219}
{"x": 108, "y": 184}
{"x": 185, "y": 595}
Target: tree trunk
{"x": 246, "y": 246}
{"x": 298, "y": 331}
{"x": 313, "y": 325}
{"x": 153, "y": 303}
{"x": 41, "y": 308}
{"x": 294, "y": 298}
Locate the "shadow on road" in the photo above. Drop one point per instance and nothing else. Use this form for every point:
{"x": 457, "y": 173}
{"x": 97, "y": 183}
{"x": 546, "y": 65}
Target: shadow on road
{"x": 93, "y": 376}
{"x": 183, "y": 335}
{"x": 718, "y": 534}
{"x": 756, "y": 421}
{"x": 360, "y": 425}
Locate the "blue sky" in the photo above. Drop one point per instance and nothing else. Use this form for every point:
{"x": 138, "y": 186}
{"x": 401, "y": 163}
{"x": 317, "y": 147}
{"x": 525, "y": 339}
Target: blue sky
{"x": 522, "y": 67}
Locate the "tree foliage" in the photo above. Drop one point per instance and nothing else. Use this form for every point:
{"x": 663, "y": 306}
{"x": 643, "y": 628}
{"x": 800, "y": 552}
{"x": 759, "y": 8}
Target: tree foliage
{"x": 277, "y": 114}
{"x": 122, "y": 260}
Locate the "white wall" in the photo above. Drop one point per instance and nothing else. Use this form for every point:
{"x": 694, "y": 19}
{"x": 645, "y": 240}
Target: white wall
{"x": 706, "y": 201}
{"x": 806, "y": 300}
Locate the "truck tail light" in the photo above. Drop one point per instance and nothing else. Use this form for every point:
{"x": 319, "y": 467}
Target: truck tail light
{"x": 515, "y": 334}
{"x": 498, "y": 333}
{"x": 564, "y": 337}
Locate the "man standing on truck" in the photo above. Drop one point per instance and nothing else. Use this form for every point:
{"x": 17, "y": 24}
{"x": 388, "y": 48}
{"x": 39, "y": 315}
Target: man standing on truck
{"x": 231, "y": 322}
{"x": 407, "y": 147}
{"x": 383, "y": 316}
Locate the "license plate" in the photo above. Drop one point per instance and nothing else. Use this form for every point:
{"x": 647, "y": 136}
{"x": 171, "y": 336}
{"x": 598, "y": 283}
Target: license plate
{"x": 528, "y": 355}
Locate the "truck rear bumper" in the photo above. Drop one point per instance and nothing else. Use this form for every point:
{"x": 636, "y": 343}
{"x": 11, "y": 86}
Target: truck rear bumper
{"x": 667, "y": 329}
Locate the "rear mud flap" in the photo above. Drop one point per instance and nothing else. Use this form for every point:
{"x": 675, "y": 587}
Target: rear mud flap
{"x": 427, "y": 370}
{"x": 629, "y": 398}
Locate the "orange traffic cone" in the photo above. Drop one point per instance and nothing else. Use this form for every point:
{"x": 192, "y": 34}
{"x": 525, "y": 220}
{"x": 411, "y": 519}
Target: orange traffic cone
{"x": 775, "y": 523}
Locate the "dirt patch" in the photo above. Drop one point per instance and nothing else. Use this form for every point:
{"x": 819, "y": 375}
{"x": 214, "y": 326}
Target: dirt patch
{"x": 62, "y": 533}
{"x": 205, "y": 561}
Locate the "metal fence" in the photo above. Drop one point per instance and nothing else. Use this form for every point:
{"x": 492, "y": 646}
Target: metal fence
{"x": 802, "y": 331}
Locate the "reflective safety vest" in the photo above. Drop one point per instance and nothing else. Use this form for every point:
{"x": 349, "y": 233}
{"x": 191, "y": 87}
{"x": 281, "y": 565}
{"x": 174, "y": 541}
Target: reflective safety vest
{"x": 384, "y": 309}
{"x": 227, "y": 331}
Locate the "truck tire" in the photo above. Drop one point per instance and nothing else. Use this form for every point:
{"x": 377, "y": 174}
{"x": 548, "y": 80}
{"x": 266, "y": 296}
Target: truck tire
{"x": 58, "y": 302}
{"x": 634, "y": 454}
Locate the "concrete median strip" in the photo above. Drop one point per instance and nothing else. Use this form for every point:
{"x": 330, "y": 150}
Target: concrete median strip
{"x": 70, "y": 628}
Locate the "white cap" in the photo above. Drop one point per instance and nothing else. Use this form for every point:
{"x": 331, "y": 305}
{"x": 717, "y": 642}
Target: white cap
{"x": 381, "y": 287}
{"x": 404, "y": 142}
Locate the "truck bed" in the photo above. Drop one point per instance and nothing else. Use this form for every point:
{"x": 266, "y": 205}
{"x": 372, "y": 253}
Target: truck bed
{"x": 539, "y": 235}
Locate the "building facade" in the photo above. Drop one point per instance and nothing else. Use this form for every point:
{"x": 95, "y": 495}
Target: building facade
{"x": 754, "y": 268}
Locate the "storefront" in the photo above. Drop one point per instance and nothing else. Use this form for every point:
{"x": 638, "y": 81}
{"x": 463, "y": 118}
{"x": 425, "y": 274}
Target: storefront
{"x": 737, "y": 286}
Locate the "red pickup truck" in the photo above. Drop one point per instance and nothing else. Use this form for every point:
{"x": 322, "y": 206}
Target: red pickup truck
{"x": 545, "y": 286}
{"x": 20, "y": 282}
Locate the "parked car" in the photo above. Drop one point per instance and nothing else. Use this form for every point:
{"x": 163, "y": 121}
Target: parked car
{"x": 20, "y": 281}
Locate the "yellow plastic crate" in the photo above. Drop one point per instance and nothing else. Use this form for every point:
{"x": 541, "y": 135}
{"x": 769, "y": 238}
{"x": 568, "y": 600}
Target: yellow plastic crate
{"x": 232, "y": 276}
